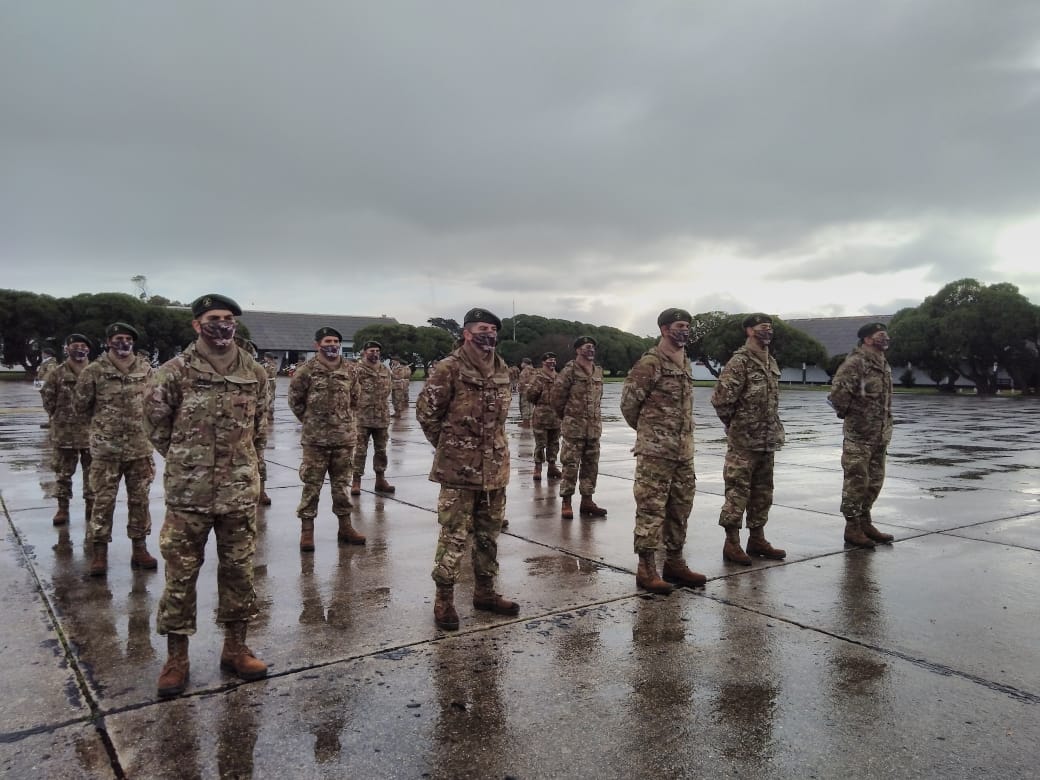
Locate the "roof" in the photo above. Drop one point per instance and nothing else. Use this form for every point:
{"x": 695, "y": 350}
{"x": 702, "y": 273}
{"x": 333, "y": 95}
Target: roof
{"x": 837, "y": 334}
{"x": 282, "y": 331}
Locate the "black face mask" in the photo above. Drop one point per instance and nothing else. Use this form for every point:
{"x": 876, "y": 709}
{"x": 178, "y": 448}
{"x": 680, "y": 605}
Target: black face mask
{"x": 220, "y": 333}
{"x": 78, "y": 354}
{"x": 485, "y": 341}
{"x": 121, "y": 348}
{"x": 331, "y": 351}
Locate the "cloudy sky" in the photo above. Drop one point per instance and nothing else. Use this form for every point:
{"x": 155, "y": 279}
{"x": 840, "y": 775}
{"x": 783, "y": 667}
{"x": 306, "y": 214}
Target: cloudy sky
{"x": 585, "y": 159}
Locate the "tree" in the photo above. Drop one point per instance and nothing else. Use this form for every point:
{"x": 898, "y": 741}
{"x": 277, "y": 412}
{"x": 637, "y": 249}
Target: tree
{"x": 27, "y": 321}
{"x": 715, "y": 336}
{"x": 414, "y": 345}
{"x": 451, "y": 327}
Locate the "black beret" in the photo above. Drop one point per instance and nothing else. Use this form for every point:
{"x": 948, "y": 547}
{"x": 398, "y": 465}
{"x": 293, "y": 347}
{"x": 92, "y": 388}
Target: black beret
{"x": 870, "y": 329}
{"x": 370, "y": 344}
{"x": 549, "y": 356}
{"x": 321, "y": 333}
{"x": 668, "y": 316}
{"x": 581, "y": 341}
{"x": 752, "y": 320}
{"x": 74, "y": 337}
{"x": 212, "y": 301}
{"x": 121, "y": 327}
{"x": 481, "y": 315}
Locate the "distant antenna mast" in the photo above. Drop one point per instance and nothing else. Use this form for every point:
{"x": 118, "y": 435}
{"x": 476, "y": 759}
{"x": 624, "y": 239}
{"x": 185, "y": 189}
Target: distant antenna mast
{"x": 141, "y": 283}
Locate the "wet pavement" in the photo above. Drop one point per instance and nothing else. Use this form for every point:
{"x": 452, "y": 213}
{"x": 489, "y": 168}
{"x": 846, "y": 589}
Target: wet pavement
{"x": 915, "y": 660}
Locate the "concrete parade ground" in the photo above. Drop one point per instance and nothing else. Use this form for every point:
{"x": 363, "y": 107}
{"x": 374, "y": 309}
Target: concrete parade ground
{"x": 919, "y": 659}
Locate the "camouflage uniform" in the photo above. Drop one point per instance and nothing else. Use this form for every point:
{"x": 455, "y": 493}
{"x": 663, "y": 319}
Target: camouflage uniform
{"x": 373, "y": 415}
{"x": 70, "y": 431}
{"x": 118, "y": 445}
{"x": 577, "y": 396}
{"x": 657, "y": 400}
{"x": 209, "y": 427}
{"x": 402, "y": 377}
{"x": 514, "y": 378}
{"x": 543, "y": 419}
{"x": 522, "y": 382}
{"x": 323, "y": 399}
{"x": 271, "y": 367}
{"x": 463, "y": 415}
{"x": 46, "y": 368}
{"x": 861, "y": 393}
{"x": 747, "y": 400}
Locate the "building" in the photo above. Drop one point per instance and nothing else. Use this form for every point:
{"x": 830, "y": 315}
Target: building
{"x": 291, "y": 335}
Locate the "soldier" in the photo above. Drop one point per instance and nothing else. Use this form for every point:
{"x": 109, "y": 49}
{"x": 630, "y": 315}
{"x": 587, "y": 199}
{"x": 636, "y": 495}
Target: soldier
{"x": 462, "y": 411}
{"x": 323, "y": 394}
{"x": 544, "y": 420}
{"x": 576, "y": 398}
{"x": 747, "y": 399}
{"x": 402, "y": 376}
{"x": 657, "y": 400}
{"x": 861, "y": 394}
{"x": 70, "y": 431}
{"x": 514, "y": 378}
{"x": 522, "y": 381}
{"x": 48, "y": 363}
{"x": 373, "y": 416}
{"x": 206, "y": 413}
{"x": 110, "y": 392}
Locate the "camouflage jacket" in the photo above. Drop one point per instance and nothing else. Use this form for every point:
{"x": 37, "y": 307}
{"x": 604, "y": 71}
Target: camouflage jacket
{"x": 112, "y": 401}
{"x": 861, "y": 394}
{"x": 525, "y": 377}
{"x": 45, "y": 369}
{"x": 576, "y": 398}
{"x": 69, "y": 429}
{"x": 373, "y": 409}
{"x": 747, "y": 400}
{"x": 324, "y": 399}
{"x": 657, "y": 400}
{"x": 463, "y": 415}
{"x": 402, "y": 376}
{"x": 539, "y": 393}
{"x": 211, "y": 429}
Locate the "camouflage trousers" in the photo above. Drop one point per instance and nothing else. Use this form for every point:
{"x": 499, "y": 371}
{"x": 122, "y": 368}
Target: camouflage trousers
{"x": 462, "y": 513}
{"x": 182, "y": 543}
{"x": 546, "y": 445}
{"x": 579, "y": 456}
{"x": 338, "y": 463}
{"x": 379, "y": 437}
{"x": 399, "y": 399}
{"x": 864, "y": 467}
{"x": 749, "y": 487}
{"x": 664, "y": 491}
{"x": 64, "y": 462}
{"x": 137, "y": 474}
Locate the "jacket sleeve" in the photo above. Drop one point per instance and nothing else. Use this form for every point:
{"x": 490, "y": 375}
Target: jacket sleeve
{"x": 728, "y": 389}
{"x": 85, "y": 393}
{"x": 638, "y": 385}
{"x": 432, "y": 405}
{"x": 298, "y": 387}
{"x": 561, "y": 391}
{"x": 844, "y": 386}
{"x": 49, "y": 393}
{"x": 260, "y": 417}
{"x": 162, "y": 399}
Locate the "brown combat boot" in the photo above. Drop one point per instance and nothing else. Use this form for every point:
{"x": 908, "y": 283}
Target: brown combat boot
{"x": 61, "y": 517}
{"x": 646, "y": 575}
{"x": 355, "y": 486}
{"x": 758, "y": 545}
{"x": 588, "y": 508}
{"x": 444, "y": 614}
{"x": 173, "y": 678}
{"x": 99, "y": 560}
{"x": 731, "y": 548}
{"x": 552, "y": 472}
{"x": 537, "y": 475}
{"x": 566, "y": 511}
{"x": 264, "y": 500}
{"x": 872, "y": 533}
{"x": 306, "y": 535}
{"x": 485, "y": 598}
{"x": 382, "y": 486}
{"x": 236, "y": 657}
{"x": 140, "y": 557}
{"x": 346, "y": 533}
{"x": 854, "y": 535}
{"x": 676, "y": 571}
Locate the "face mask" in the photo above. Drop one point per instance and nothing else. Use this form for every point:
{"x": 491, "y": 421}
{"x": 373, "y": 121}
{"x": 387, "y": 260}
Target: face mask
{"x": 550, "y": 365}
{"x": 485, "y": 341}
{"x": 220, "y": 333}
{"x": 588, "y": 352}
{"x": 763, "y": 337}
{"x": 679, "y": 337}
{"x": 78, "y": 354}
{"x": 330, "y": 351}
{"x": 372, "y": 357}
{"x": 882, "y": 341}
{"x": 121, "y": 348}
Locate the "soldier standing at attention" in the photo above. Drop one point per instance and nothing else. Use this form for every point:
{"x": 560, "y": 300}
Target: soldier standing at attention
{"x": 402, "y": 376}
{"x": 206, "y": 412}
{"x": 373, "y": 416}
{"x": 322, "y": 394}
{"x": 48, "y": 363}
{"x": 861, "y": 394}
{"x": 462, "y": 411}
{"x": 657, "y": 400}
{"x": 576, "y": 397}
{"x": 110, "y": 391}
{"x": 522, "y": 381}
{"x": 70, "y": 431}
{"x": 543, "y": 419}
{"x": 747, "y": 400}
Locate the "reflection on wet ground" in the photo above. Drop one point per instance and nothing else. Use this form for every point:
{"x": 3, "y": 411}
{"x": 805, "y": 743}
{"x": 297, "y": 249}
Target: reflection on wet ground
{"x": 827, "y": 664}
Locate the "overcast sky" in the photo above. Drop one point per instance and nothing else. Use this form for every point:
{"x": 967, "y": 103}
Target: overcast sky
{"x": 590, "y": 160}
